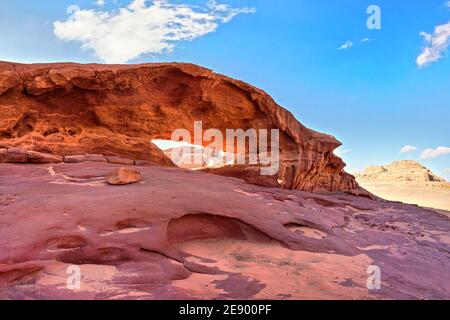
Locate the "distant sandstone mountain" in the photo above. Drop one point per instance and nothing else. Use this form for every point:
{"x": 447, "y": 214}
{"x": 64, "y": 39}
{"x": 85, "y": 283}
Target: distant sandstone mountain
{"x": 408, "y": 182}
{"x": 406, "y": 170}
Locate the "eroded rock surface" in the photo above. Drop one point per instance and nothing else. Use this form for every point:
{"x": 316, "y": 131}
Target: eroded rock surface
{"x": 71, "y": 109}
{"x": 181, "y": 234}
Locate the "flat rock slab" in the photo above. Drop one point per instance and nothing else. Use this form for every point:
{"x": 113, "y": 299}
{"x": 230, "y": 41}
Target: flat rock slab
{"x": 17, "y": 155}
{"x": 85, "y": 158}
{"x": 120, "y": 160}
{"x": 3, "y": 155}
{"x": 38, "y": 157}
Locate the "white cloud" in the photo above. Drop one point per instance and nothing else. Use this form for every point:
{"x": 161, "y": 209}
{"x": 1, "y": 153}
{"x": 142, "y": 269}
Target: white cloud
{"x": 100, "y": 3}
{"x": 408, "y": 149}
{"x": 72, "y": 9}
{"x": 447, "y": 170}
{"x": 347, "y": 45}
{"x": 353, "y": 171}
{"x": 342, "y": 152}
{"x": 169, "y": 144}
{"x": 119, "y": 36}
{"x": 434, "y": 153}
{"x": 447, "y": 4}
{"x": 436, "y": 45}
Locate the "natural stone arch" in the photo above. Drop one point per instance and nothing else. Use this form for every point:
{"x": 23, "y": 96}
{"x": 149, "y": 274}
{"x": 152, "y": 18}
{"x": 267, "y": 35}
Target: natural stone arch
{"x": 117, "y": 110}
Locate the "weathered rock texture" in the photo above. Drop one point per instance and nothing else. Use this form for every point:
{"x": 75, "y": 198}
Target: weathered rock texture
{"x": 71, "y": 109}
{"x": 185, "y": 234}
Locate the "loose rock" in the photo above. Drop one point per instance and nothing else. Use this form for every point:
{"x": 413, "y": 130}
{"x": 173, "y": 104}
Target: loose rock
{"x": 123, "y": 176}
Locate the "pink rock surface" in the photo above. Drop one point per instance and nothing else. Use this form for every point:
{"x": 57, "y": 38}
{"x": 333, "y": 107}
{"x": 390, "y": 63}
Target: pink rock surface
{"x": 181, "y": 234}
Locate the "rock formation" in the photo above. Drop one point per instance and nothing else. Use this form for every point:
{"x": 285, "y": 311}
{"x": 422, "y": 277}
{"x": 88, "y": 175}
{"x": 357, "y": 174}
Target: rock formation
{"x": 407, "y": 181}
{"x": 406, "y": 170}
{"x": 70, "y": 109}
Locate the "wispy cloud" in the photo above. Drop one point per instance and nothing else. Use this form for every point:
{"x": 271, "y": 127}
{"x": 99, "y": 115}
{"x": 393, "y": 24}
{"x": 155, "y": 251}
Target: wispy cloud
{"x": 408, "y": 149}
{"x": 141, "y": 27}
{"x": 436, "y": 45}
{"x": 434, "y": 153}
{"x": 447, "y": 170}
{"x": 347, "y": 45}
{"x": 447, "y": 4}
{"x": 342, "y": 152}
{"x": 350, "y": 43}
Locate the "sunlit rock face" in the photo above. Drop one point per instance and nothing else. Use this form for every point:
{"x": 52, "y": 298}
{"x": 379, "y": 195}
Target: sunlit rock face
{"x": 402, "y": 171}
{"x": 116, "y": 110}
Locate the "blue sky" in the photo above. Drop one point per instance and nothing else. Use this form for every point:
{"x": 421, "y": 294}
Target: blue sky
{"x": 372, "y": 96}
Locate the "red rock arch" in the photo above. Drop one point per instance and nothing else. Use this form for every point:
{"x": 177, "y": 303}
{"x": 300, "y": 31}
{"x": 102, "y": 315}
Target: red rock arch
{"x": 68, "y": 109}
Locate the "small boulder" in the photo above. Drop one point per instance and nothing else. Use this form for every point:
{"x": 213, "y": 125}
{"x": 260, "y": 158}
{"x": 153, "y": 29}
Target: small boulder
{"x": 38, "y": 157}
{"x": 85, "y": 158}
{"x": 17, "y": 155}
{"x": 123, "y": 176}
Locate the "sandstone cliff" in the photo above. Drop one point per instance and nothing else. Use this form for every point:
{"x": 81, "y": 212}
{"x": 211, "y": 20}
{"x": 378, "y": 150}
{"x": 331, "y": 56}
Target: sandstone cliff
{"x": 407, "y": 181}
{"x": 116, "y": 110}
{"x": 181, "y": 234}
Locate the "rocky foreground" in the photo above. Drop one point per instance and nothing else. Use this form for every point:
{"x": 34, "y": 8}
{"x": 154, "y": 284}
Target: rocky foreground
{"x": 178, "y": 234}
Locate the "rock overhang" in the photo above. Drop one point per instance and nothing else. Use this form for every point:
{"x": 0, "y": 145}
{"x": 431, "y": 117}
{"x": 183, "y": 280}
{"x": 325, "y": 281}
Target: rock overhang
{"x": 70, "y": 109}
